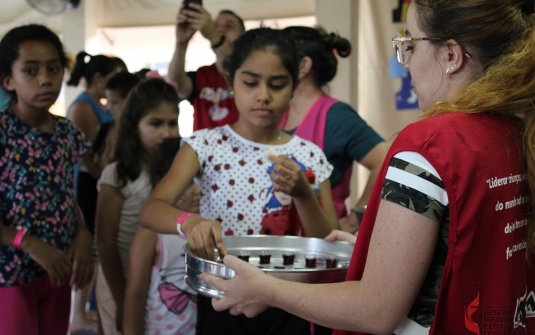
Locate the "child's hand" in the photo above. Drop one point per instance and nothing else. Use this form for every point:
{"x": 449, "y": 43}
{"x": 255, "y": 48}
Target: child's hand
{"x": 81, "y": 255}
{"x": 54, "y": 261}
{"x": 288, "y": 177}
{"x": 204, "y": 236}
{"x": 338, "y": 235}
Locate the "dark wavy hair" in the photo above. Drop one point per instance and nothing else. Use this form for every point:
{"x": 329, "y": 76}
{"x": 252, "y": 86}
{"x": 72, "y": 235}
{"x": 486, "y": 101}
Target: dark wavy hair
{"x": 9, "y": 47}
{"x": 258, "y": 39}
{"x": 163, "y": 159}
{"x": 122, "y": 83}
{"x": 129, "y": 152}
{"x": 319, "y": 45}
{"x": 98, "y": 63}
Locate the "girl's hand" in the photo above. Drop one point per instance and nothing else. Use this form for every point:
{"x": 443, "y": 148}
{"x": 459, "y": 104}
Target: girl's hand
{"x": 204, "y": 236}
{"x": 338, "y": 235}
{"x": 54, "y": 261}
{"x": 288, "y": 177}
{"x": 81, "y": 255}
{"x": 245, "y": 292}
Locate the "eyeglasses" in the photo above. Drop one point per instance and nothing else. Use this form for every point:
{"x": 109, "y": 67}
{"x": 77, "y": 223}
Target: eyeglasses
{"x": 403, "y": 52}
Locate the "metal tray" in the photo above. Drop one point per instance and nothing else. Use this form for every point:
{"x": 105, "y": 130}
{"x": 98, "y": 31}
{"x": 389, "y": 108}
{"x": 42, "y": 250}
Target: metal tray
{"x": 254, "y": 245}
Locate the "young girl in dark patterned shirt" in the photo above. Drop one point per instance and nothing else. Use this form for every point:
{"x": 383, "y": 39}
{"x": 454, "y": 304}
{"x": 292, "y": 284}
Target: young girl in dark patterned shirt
{"x": 46, "y": 247}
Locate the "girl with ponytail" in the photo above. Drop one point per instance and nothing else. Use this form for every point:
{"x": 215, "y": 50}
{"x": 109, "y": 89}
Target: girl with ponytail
{"x": 331, "y": 124}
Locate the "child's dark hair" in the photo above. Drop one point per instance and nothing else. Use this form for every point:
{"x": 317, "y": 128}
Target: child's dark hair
{"x": 122, "y": 83}
{"x": 142, "y": 98}
{"x": 319, "y": 45}
{"x": 163, "y": 159}
{"x": 99, "y": 63}
{"x": 9, "y": 47}
{"x": 276, "y": 41}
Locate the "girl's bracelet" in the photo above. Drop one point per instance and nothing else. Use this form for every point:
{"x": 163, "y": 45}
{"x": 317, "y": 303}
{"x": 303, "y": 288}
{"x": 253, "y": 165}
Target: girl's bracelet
{"x": 179, "y": 221}
{"x": 18, "y": 237}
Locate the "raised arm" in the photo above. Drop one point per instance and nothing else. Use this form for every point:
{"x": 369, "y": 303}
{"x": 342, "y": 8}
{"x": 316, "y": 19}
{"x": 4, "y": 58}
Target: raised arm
{"x": 400, "y": 253}
{"x": 177, "y": 71}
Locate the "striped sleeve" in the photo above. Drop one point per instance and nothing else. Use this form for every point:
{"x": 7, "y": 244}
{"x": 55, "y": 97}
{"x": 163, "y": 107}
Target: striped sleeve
{"x": 412, "y": 182}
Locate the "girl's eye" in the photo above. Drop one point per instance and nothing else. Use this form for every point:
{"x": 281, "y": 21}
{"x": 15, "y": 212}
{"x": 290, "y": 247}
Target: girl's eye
{"x": 54, "y": 69}
{"x": 249, "y": 84}
{"x": 156, "y": 123}
{"x": 278, "y": 86}
{"x": 409, "y": 48}
{"x": 30, "y": 71}
{"x": 173, "y": 124}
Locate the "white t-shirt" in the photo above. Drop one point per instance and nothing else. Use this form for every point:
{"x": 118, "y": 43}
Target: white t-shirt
{"x": 235, "y": 177}
{"x": 135, "y": 193}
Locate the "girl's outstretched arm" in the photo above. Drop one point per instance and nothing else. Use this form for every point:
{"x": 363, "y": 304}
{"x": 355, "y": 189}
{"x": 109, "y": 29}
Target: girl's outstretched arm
{"x": 317, "y": 221}
{"x": 109, "y": 204}
{"x": 159, "y": 214}
{"x": 143, "y": 255}
{"x": 400, "y": 253}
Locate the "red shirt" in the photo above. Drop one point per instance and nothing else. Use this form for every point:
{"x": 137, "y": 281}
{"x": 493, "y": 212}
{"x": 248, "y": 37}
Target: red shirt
{"x": 212, "y": 101}
{"x": 487, "y": 284}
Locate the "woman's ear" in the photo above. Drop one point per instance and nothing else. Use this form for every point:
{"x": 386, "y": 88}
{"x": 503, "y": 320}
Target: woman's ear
{"x": 305, "y": 67}
{"x": 455, "y": 57}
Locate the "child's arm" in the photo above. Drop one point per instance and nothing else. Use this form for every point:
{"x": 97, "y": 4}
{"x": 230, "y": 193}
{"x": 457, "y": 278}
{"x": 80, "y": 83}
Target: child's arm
{"x": 143, "y": 255}
{"x": 54, "y": 261}
{"x": 109, "y": 204}
{"x": 80, "y": 253}
{"x": 317, "y": 221}
{"x": 159, "y": 214}
{"x": 83, "y": 117}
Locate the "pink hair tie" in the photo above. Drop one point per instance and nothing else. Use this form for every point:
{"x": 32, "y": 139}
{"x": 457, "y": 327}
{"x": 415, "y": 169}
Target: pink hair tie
{"x": 154, "y": 74}
{"x": 18, "y": 237}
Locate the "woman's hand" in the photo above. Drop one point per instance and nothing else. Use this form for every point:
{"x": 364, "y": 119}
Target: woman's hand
{"x": 287, "y": 177}
{"x": 80, "y": 254}
{"x": 54, "y": 261}
{"x": 338, "y": 235}
{"x": 245, "y": 293}
{"x": 204, "y": 236}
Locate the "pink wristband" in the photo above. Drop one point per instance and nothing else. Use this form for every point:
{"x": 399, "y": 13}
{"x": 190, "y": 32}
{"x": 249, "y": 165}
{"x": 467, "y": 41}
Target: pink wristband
{"x": 18, "y": 238}
{"x": 181, "y": 219}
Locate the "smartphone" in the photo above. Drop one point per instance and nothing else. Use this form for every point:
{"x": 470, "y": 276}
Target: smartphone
{"x": 187, "y": 2}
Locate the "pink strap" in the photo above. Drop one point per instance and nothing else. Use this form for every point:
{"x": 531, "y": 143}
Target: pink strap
{"x": 18, "y": 238}
{"x": 181, "y": 219}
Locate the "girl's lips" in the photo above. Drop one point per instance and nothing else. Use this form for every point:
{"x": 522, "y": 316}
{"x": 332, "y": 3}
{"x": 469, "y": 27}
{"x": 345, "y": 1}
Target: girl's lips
{"x": 262, "y": 111}
{"x": 47, "y": 96}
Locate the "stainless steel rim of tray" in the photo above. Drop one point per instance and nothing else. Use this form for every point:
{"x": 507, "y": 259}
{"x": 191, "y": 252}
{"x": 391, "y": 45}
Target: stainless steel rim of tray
{"x": 335, "y": 254}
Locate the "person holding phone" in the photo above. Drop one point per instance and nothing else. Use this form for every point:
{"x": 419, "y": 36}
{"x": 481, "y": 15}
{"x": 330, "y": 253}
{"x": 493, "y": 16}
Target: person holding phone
{"x": 206, "y": 88}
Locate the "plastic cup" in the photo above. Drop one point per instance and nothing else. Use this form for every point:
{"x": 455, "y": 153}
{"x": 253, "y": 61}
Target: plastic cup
{"x": 288, "y": 258}
{"x": 310, "y": 261}
{"x": 265, "y": 257}
{"x": 244, "y": 256}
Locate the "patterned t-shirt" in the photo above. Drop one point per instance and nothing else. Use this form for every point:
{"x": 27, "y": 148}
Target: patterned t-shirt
{"x": 37, "y": 189}
{"x": 235, "y": 180}
{"x": 412, "y": 182}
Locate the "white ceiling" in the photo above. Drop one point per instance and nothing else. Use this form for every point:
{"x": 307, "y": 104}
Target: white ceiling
{"x": 135, "y": 13}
